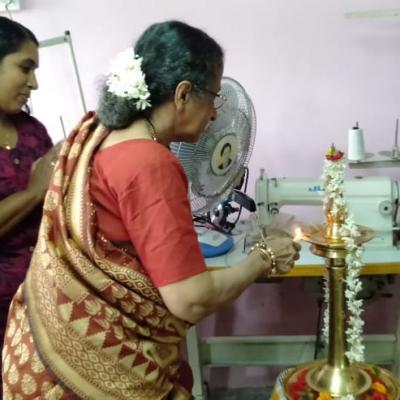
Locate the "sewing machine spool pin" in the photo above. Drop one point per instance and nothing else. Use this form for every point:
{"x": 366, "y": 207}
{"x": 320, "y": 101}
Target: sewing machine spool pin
{"x": 395, "y": 150}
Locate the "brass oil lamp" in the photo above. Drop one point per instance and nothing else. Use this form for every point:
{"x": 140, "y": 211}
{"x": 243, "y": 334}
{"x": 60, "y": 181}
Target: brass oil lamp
{"x": 335, "y": 375}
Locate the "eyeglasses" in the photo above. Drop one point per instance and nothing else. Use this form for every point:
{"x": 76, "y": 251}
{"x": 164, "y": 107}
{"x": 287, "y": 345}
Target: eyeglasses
{"x": 219, "y": 99}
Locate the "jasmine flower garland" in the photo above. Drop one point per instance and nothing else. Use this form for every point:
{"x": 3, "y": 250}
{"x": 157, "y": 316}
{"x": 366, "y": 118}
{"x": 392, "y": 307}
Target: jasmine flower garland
{"x": 126, "y": 79}
{"x": 333, "y": 180}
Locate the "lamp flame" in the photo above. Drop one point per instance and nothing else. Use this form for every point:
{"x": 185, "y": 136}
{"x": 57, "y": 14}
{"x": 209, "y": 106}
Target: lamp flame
{"x": 298, "y": 234}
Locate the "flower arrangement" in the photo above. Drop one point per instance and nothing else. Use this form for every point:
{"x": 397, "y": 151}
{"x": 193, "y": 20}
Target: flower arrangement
{"x": 126, "y": 79}
{"x": 300, "y": 390}
{"x": 333, "y": 179}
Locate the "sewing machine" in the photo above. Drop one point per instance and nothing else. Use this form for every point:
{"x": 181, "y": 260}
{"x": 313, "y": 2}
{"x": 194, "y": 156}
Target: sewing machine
{"x": 372, "y": 200}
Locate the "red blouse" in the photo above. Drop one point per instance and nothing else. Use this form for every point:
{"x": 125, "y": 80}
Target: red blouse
{"x": 140, "y": 192}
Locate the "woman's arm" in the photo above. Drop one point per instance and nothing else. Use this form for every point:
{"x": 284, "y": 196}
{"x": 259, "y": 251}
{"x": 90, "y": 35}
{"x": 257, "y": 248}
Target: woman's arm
{"x": 155, "y": 211}
{"x": 14, "y": 208}
{"x": 194, "y": 298}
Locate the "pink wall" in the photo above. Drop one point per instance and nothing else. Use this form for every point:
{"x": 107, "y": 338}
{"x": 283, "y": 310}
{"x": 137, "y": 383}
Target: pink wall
{"x": 310, "y": 72}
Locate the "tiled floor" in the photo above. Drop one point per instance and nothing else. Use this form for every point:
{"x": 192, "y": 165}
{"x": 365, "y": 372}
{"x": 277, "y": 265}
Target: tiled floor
{"x": 240, "y": 394}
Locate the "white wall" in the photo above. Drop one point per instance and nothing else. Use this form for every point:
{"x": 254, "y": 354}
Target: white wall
{"x": 310, "y": 72}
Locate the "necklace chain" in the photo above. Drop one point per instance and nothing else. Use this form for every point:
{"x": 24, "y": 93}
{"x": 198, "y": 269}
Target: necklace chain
{"x": 5, "y": 142}
{"x": 152, "y": 131}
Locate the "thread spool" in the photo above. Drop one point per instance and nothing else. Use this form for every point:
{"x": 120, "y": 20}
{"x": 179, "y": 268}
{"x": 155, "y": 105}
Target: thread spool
{"x": 356, "y": 148}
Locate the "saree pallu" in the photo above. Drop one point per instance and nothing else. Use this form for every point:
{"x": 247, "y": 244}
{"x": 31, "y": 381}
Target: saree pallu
{"x": 87, "y": 322}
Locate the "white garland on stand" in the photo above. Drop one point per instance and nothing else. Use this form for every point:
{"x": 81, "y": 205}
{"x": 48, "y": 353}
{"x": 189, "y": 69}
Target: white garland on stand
{"x": 333, "y": 179}
{"x": 325, "y": 325}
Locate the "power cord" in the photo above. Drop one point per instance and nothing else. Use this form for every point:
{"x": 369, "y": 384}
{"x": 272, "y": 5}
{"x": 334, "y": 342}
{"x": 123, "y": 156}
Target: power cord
{"x": 218, "y": 217}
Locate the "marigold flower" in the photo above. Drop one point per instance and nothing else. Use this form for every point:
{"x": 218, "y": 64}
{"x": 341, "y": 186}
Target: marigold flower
{"x": 379, "y": 387}
{"x": 275, "y": 395}
{"x": 324, "y": 396}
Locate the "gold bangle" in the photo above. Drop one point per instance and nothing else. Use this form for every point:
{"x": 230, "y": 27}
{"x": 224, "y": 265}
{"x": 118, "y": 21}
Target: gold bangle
{"x": 267, "y": 254}
{"x": 272, "y": 256}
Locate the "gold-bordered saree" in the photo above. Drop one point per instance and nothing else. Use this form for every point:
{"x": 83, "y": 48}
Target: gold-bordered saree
{"x": 87, "y": 322}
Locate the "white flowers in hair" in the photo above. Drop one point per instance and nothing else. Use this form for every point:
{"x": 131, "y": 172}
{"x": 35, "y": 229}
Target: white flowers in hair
{"x": 126, "y": 79}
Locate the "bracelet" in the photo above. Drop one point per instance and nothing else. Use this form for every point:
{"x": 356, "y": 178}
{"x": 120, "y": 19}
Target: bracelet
{"x": 267, "y": 254}
{"x": 273, "y": 257}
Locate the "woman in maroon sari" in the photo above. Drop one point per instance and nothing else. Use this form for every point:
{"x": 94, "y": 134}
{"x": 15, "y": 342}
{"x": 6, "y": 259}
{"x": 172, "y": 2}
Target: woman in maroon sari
{"x": 23, "y": 179}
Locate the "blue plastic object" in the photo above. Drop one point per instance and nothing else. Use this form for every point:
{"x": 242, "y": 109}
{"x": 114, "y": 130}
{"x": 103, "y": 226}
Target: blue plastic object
{"x": 210, "y": 249}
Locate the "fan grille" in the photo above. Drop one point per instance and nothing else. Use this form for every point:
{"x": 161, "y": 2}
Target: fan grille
{"x": 214, "y": 164}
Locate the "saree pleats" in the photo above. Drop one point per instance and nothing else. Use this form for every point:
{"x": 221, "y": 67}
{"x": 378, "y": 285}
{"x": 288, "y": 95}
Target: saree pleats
{"x": 93, "y": 318}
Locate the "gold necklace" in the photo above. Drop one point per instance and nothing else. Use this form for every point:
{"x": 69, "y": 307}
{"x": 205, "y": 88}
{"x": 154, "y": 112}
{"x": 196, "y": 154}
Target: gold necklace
{"x": 152, "y": 131}
{"x": 6, "y": 141}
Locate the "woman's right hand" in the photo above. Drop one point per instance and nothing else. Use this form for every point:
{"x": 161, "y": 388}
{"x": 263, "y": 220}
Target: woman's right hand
{"x": 285, "y": 250}
{"x": 42, "y": 170}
